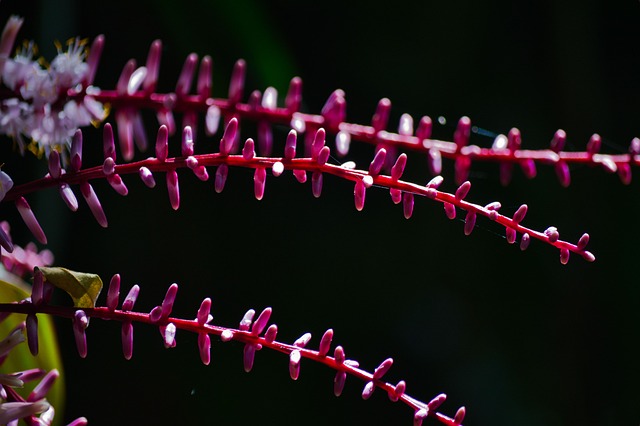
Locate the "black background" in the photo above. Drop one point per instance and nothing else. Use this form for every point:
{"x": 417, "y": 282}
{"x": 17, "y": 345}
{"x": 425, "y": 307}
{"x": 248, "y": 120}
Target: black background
{"x": 516, "y": 337}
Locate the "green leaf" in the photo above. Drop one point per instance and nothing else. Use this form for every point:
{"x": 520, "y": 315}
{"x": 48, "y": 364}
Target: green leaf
{"x": 83, "y": 288}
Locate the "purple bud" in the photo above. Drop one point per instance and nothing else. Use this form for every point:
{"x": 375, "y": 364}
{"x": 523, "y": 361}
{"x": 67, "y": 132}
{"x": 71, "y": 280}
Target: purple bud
{"x": 162, "y": 143}
{"x": 108, "y": 143}
{"x": 338, "y": 383}
{"x": 221, "y": 177}
{"x": 294, "y": 95}
{"x": 80, "y": 323}
{"x": 113, "y": 295}
{"x": 153, "y": 66}
{"x": 30, "y": 220}
{"x": 236, "y": 85}
{"x": 130, "y": 300}
{"x": 186, "y": 75}
{"x": 54, "y": 164}
{"x": 173, "y": 189}
{"x": 248, "y": 356}
{"x": 524, "y": 242}
{"x": 564, "y": 255}
{"x": 511, "y": 235}
{"x": 42, "y": 388}
{"x": 32, "y": 333}
{"x": 204, "y": 78}
{"x": 147, "y": 177}
{"x": 37, "y": 289}
{"x": 76, "y": 151}
{"x": 108, "y": 166}
{"x": 117, "y": 184}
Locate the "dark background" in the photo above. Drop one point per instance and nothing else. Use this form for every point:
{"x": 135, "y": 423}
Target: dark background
{"x": 515, "y": 337}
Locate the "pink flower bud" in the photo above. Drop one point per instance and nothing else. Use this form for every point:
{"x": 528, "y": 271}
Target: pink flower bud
{"x": 259, "y": 180}
{"x": 173, "y": 188}
{"x": 204, "y": 347}
{"x": 294, "y": 95}
{"x": 204, "y": 78}
{"x": 407, "y": 204}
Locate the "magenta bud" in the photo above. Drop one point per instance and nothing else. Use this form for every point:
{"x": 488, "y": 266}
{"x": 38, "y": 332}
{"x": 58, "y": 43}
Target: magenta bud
{"x": 76, "y": 151}
{"x": 229, "y": 136}
{"x": 514, "y": 139}
{"x": 259, "y": 180}
{"x": 169, "y": 335}
{"x": 294, "y": 96}
{"x": 261, "y": 323}
{"x": 518, "y": 216}
{"x": 524, "y": 242}
{"x": 169, "y": 299}
{"x": 113, "y": 295}
{"x": 147, "y": 177}
{"x": 396, "y": 195}
{"x": 398, "y": 391}
{"x": 506, "y": 172}
{"x": 80, "y": 323}
{"x": 173, "y": 189}
{"x": 323, "y": 155}
{"x": 316, "y": 184}
{"x": 338, "y": 383}
{"x": 186, "y": 75}
{"x": 407, "y": 204}
{"x": 459, "y": 417}
{"x": 32, "y": 333}
{"x": 564, "y": 255}
{"x": 265, "y": 138}
{"x": 247, "y": 319}
{"x": 93, "y": 58}
{"x": 42, "y": 388}
{"x": 419, "y": 416}
{"x": 424, "y": 128}
{"x": 368, "y": 390}
{"x": 30, "y": 220}
{"x": 318, "y": 142}
{"x": 153, "y": 66}
{"x": 236, "y": 84}
{"x": 405, "y": 126}
{"x": 450, "y": 210}
{"x": 303, "y": 340}
{"x": 435, "y": 182}
{"x": 203, "y": 312}
{"x": 381, "y": 116}
{"x": 382, "y": 369}
{"x": 271, "y": 333}
{"x": 463, "y": 190}
{"x": 290, "y": 145}
{"x": 300, "y": 175}
{"x": 562, "y": 171}
{"x": 511, "y": 235}
{"x": 359, "y": 194}
{"x": 248, "y": 151}
{"x": 294, "y": 364}
{"x": 462, "y": 165}
{"x": 583, "y": 241}
{"x": 117, "y": 184}
{"x": 108, "y": 143}
{"x": 187, "y": 141}
{"x": 552, "y": 233}
{"x": 131, "y": 298}
{"x": 469, "y": 222}
{"x": 108, "y": 166}
{"x": 204, "y": 347}
{"x": 378, "y": 161}
{"x": 463, "y": 132}
{"x": 162, "y": 143}
{"x": 436, "y": 402}
{"x": 398, "y": 167}
{"x": 127, "y": 339}
{"x": 204, "y": 78}
{"x": 594, "y": 144}
{"x": 248, "y": 356}
{"x": 221, "y": 177}
{"x": 528, "y": 167}
{"x": 54, "y": 164}
{"x": 558, "y": 141}
{"x": 325, "y": 342}
{"x": 37, "y": 289}
{"x": 434, "y": 161}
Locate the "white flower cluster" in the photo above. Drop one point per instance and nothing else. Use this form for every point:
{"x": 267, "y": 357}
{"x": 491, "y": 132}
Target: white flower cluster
{"x": 36, "y": 106}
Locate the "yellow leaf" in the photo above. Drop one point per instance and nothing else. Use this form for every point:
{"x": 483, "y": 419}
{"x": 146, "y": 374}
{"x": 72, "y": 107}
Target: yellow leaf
{"x": 83, "y": 288}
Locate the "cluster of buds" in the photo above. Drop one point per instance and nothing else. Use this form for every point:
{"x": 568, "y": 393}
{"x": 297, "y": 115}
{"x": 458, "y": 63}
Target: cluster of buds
{"x": 255, "y": 333}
